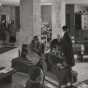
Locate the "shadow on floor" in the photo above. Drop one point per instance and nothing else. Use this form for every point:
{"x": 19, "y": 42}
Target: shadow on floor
{"x": 18, "y": 81}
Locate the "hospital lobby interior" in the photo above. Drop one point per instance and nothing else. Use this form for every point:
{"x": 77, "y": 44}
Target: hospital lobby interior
{"x": 21, "y": 20}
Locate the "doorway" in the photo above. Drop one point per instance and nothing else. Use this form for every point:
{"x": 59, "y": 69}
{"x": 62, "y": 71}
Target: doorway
{"x": 46, "y": 23}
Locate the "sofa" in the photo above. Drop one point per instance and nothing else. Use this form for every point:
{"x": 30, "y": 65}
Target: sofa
{"x": 22, "y": 65}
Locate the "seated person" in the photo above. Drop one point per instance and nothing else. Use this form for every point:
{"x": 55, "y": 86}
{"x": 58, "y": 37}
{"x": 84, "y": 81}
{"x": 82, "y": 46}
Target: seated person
{"x": 36, "y": 45}
{"x": 24, "y": 50}
{"x": 31, "y": 52}
{"x": 32, "y": 56}
{"x": 34, "y": 51}
{"x": 29, "y": 57}
{"x": 55, "y": 55}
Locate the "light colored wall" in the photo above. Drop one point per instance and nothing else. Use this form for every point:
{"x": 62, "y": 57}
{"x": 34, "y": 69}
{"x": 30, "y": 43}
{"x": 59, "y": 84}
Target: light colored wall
{"x": 46, "y": 13}
{"x": 62, "y": 13}
{"x": 30, "y": 15}
{"x": 10, "y": 2}
{"x": 57, "y": 11}
{"x": 36, "y": 18}
{"x": 77, "y": 1}
{"x": 9, "y": 11}
{"x": 30, "y": 21}
{"x": 48, "y": 1}
{"x": 26, "y": 22}
{"x": 79, "y": 8}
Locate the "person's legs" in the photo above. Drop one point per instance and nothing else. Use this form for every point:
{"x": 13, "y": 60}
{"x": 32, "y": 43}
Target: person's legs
{"x": 61, "y": 75}
{"x": 69, "y": 76}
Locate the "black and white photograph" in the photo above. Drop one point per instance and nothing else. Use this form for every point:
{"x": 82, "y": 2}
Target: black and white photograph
{"x": 43, "y": 43}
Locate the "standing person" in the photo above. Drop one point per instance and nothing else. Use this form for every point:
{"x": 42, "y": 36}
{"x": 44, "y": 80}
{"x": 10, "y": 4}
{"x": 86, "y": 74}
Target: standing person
{"x": 3, "y": 30}
{"x": 68, "y": 53}
{"x": 12, "y": 32}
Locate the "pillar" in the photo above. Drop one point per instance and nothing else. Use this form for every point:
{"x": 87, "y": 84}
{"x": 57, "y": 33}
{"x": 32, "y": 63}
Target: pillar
{"x": 36, "y": 18}
{"x": 26, "y": 22}
{"x": 30, "y": 22}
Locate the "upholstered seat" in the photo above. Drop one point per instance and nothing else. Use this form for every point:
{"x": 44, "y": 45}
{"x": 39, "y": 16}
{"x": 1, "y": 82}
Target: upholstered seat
{"x": 22, "y": 65}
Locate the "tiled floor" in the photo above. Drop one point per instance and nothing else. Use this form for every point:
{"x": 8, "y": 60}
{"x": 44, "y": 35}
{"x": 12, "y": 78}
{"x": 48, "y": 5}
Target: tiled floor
{"x": 20, "y": 79}
{"x": 82, "y": 69}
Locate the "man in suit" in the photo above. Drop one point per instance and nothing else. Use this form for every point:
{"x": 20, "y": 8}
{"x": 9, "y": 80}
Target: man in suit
{"x": 67, "y": 47}
{"x": 68, "y": 53}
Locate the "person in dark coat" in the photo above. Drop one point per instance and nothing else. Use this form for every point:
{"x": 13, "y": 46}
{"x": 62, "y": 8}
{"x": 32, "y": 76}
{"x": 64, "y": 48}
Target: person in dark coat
{"x": 68, "y": 53}
{"x": 67, "y": 47}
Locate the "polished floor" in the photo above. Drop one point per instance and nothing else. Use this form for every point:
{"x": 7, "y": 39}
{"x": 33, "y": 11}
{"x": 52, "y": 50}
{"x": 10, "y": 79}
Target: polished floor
{"x": 19, "y": 79}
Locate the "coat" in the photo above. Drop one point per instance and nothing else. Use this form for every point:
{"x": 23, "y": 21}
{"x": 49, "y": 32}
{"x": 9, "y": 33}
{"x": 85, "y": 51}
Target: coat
{"x": 67, "y": 49}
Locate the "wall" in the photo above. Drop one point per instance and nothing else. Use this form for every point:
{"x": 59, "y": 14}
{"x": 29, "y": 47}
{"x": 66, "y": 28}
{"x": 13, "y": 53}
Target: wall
{"x": 26, "y": 22}
{"x": 79, "y": 8}
{"x": 36, "y": 18}
{"x": 77, "y": 2}
{"x": 9, "y": 11}
{"x": 56, "y": 15}
{"x": 48, "y": 1}
{"x": 30, "y": 21}
{"x": 30, "y": 18}
{"x": 59, "y": 16}
{"x": 46, "y": 13}
{"x": 10, "y": 2}
{"x": 62, "y": 13}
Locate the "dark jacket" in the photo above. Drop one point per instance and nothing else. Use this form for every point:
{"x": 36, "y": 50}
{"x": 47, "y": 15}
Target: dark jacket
{"x": 67, "y": 49}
